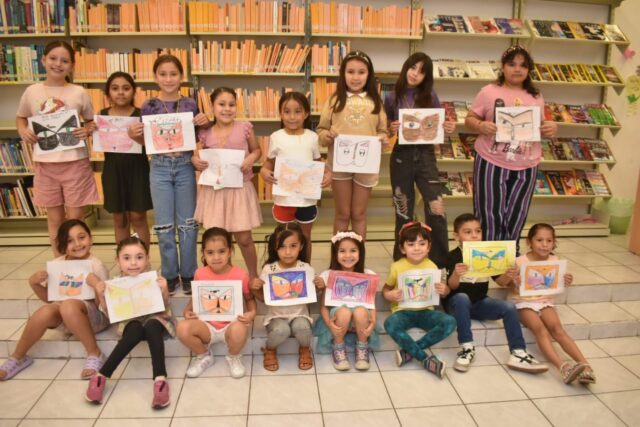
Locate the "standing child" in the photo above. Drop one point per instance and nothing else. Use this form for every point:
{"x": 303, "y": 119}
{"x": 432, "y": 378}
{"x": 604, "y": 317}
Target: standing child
{"x": 63, "y": 181}
{"x": 504, "y": 173}
{"x": 343, "y": 323}
{"x": 538, "y": 313}
{"x": 234, "y": 209}
{"x": 468, "y": 300}
{"x": 81, "y": 318}
{"x": 133, "y": 258}
{"x": 415, "y": 241}
{"x": 172, "y": 179}
{"x": 198, "y": 335}
{"x": 415, "y": 165}
{"x": 285, "y": 250}
{"x": 294, "y": 141}
{"x": 355, "y": 109}
{"x": 125, "y": 177}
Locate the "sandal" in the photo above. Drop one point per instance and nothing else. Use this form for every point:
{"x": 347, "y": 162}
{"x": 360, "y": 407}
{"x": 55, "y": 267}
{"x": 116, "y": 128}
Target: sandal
{"x": 587, "y": 376}
{"x": 93, "y": 364}
{"x": 305, "y": 361}
{"x": 570, "y": 371}
{"x": 270, "y": 362}
{"x": 12, "y": 366}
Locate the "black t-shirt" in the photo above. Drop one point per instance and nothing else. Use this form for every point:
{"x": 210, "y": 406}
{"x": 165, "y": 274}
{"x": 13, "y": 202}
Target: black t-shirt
{"x": 476, "y": 290}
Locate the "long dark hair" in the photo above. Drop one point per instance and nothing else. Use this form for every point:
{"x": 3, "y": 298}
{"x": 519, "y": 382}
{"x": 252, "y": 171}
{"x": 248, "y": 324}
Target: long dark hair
{"x": 340, "y": 97}
{"x": 219, "y": 91}
{"x": 62, "y": 237}
{"x": 422, "y": 98}
{"x": 335, "y": 265}
{"x": 279, "y": 235}
{"x": 508, "y": 56}
{"x": 300, "y": 99}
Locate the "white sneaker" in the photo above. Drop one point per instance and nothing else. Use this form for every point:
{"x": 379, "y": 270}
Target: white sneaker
{"x": 465, "y": 356}
{"x": 200, "y": 364}
{"x": 236, "y": 367}
{"x": 520, "y": 360}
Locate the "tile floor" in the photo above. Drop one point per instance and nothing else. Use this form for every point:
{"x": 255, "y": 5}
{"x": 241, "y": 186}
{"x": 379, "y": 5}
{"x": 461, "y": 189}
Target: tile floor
{"x": 489, "y": 394}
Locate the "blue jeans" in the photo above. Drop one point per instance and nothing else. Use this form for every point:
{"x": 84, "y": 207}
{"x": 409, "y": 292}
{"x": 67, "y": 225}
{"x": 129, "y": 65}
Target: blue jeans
{"x": 460, "y": 306}
{"x": 173, "y": 191}
{"x": 437, "y": 324}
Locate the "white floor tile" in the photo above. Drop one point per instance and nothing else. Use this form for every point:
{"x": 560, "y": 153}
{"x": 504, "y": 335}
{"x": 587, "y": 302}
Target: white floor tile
{"x": 625, "y": 405}
{"x": 632, "y": 363}
{"x": 486, "y": 384}
{"x": 577, "y": 411}
{"x": 601, "y": 312}
{"x": 231, "y": 397}
{"x": 410, "y": 389}
{"x": 623, "y": 346}
{"x": 9, "y": 327}
{"x": 225, "y": 421}
{"x": 450, "y": 416}
{"x": 383, "y": 418}
{"x": 590, "y": 259}
{"x": 386, "y": 361}
{"x": 358, "y": 392}
{"x": 631, "y": 307}
{"x": 65, "y": 399}
{"x": 133, "y": 422}
{"x": 41, "y": 369}
{"x": 324, "y": 364}
{"x": 547, "y": 384}
{"x": 24, "y": 271}
{"x": 141, "y": 368}
{"x": 612, "y": 376}
{"x": 307, "y": 420}
{"x": 73, "y": 368}
{"x": 5, "y": 269}
{"x": 301, "y": 389}
{"x": 58, "y": 423}
{"x": 19, "y": 396}
{"x": 132, "y": 399}
{"x": 9, "y": 423}
{"x": 15, "y": 289}
{"x": 507, "y": 414}
{"x": 617, "y": 274}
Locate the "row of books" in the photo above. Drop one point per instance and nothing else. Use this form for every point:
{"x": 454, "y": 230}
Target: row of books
{"x": 326, "y": 58}
{"x": 247, "y": 57}
{"x": 21, "y": 63}
{"x": 16, "y": 200}
{"x": 15, "y": 156}
{"x": 258, "y": 104}
{"x": 593, "y": 114}
{"x": 320, "y": 91}
{"x": 98, "y": 64}
{"x": 578, "y": 30}
{"x": 343, "y": 18}
{"x": 268, "y": 16}
{"x": 35, "y": 16}
{"x": 576, "y": 73}
{"x": 475, "y": 25}
{"x": 150, "y": 15}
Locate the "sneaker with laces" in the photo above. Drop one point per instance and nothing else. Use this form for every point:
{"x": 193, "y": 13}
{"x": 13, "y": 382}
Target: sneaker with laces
{"x": 362, "y": 357}
{"x": 172, "y": 285}
{"x": 435, "y": 366}
{"x": 465, "y": 357}
{"x": 160, "y": 394}
{"x": 339, "y": 358}
{"x": 200, "y": 364}
{"x": 520, "y": 360}
{"x": 236, "y": 367}
{"x": 186, "y": 285}
{"x": 95, "y": 390}
{"x": 403, "y": 357}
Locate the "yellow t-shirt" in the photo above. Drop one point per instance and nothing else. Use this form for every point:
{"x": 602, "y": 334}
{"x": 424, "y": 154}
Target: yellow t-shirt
{"x": 401, "y": 266}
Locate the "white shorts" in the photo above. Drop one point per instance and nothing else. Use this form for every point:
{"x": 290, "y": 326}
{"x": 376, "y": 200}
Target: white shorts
{"x": 217, "y": 335}
{"x": 536, "y": 306}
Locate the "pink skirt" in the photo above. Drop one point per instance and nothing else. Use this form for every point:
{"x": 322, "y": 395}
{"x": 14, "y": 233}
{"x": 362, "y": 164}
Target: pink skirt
{"x": 234, "y": 209}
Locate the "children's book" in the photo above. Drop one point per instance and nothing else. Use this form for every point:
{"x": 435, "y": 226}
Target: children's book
{"x": 544, "y": 72}
{"x": 598, "y": 183}
{"x": 449, "y": 111}
{"x": 542, "y": 185}
{"x": 447, "y": 151}
{"x": 459, "y": 150}
{"x": 461, "y": 109}
{"x": 614, "y": 33}
{"x": 433, "y": 24}
{"x": 610, "y": 74}
{"x": 443, "y": 177}
{"x": 518, "y": 27}
{"x": 504, "y": 25}
{"x": 457, "y": 184}
{"x": 468, "y": 181}
{"x": 555, "y": 182}
{"x": 480, "y": 70}
{"x": 453, "y": 23}
{"x": 547, "y": 154}
{"x": 584, "y": 181}
{"x": 579, "y": 114}
{"x": 568, "y": 180}
{"x": 576, "y": 29}
{"x": 593, "y": 31}
{"x": 599, "y": 150}
{"x": 469, "y": 140}
{"x": 489, "y": 26}
{"x": 475, "y": 24}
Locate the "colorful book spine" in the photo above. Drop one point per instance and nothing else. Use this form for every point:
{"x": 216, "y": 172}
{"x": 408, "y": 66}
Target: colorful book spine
{"x": 32, "y": 17}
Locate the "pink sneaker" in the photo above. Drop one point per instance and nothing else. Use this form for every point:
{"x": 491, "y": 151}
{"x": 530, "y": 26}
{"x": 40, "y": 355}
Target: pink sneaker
{"x": 95, "y": 390}
{"x": 160, "y": 394}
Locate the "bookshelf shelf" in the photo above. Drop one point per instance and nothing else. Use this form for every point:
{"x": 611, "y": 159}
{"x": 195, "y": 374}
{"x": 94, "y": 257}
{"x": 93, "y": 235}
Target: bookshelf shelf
{"x": 477, "y": 35}
{"x": 367, "y": 36}
{"x": 19, "y": 83}
{"x": 103, "y": 81}
{"x": 563, "y": 40}
{"x": 572, "y": 163}
{"x": 245, "y": 33}
{"x": 259, "y": 119}
{"x": 587, "y": 126}
{"x": 8, "y": 126}
{"x": 31, "y": 35}
{"x": 16, "y": 174}
{"x": 244, "y": 74}
{"x": 128, "y": 34}
{"x": 582, "y": 84}
{"x": 23, "y": 218}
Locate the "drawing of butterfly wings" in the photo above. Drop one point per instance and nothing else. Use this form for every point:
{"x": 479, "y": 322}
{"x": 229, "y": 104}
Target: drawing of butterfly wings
{"x": 288, "y": 286}
{"x": 498, "y": 255}
{"x": 344, "y": 289}
{"x": 47, "y": 139}
{"x": 550, "y": 278}
{"x": 478, "y": 253}
{"x": 65, "y": 135}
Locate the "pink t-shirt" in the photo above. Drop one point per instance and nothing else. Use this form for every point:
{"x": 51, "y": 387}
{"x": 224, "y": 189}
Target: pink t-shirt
{"x": 236, "y": 273}
{"x": 509, "y": 155}
{"x": 41, "y": 99}
{"x": 238, "y": 139}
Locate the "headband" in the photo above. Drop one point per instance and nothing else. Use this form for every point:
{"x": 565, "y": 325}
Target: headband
{"x": 413, "y": 224}
{"x": 514, "y": 48}
{"x": 345, "y": 235}
{"x": 357, "y": 54}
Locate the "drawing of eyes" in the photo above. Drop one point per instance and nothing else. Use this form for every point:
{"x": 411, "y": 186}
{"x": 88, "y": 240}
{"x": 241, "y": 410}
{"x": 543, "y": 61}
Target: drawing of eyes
{"x": 353, "y": 152}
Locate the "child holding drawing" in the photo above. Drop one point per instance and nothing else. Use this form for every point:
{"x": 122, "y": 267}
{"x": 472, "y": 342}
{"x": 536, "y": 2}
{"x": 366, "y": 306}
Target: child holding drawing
{"x": 234, "y": 209}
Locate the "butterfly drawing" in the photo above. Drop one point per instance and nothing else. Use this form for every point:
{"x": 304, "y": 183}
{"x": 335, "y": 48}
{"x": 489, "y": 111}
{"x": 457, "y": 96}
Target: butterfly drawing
{"x": 517, "y": 126}
{"x": 416, "y": 129}
{"x": 344, "y": 289}
{"x": 70, "y": 285}
{"x": 288, "y": 284}
{"x": 216, "y": 300}
{"x": 167, "y": 135}
{"x": 50, "y": 137}
{"x": 415, "y": 288}
{"x": 113, "y": 135}
{"x": 487, "y": 255}
{"x": 542, "y": 277}
{"x": 352, "y": 152}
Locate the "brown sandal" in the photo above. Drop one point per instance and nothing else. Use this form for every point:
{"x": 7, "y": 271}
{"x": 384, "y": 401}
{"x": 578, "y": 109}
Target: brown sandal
{"x": 270, "y": 362}
{"x": 305, "y": 361}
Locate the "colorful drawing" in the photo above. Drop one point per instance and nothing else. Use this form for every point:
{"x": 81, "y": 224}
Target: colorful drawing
{"x": 224, "y": 168}
{"x": 219, "y": 300}
{"x": 542, "y": 277}
{"x": 418, "y": 288}
{"x": 129, "y": 297}
{"x": 298, "y": 179}
{"x": 169, "y": 133}
{"x": 289, "y": 287}
{"x": 54, "y": 132}
{"x": 68, "y": 280}
{"x": 357, "y": 154}
{"x": 111, "y": 135}
{"x": 486, "y": 259}
{"x": 421, "y": 126}
{"x": 351, "y": 289}
{"x": 518, "y": 124}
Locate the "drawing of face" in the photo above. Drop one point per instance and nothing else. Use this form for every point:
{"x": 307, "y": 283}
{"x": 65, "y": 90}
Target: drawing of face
{"x": 542, "y": 277}
{"x": 352, "y": 153}
{"x": 345, "y": 289}
{"x": 113, "y": 134}
{"x": 216, "y": 301}
{"x": 167, "y": 135}
{"x": 70, "y": 285}
{"x": 518, "y": 127}
{"x": 141, "y": 296}
{"x": 288, "y": 284}
{"x": 414, "y": 129}
{"x": 49, "y": 137}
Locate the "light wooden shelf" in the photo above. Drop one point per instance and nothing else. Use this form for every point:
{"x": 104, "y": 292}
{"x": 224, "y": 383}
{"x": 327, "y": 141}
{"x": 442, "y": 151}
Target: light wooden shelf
{"x": 141, "y": 81}
{"x": 23, "y": 218}
{"x": 6, "y": 126}
{"x": 477, "y": 35}
{"x": 246, "y": 33}
{"x": 258, "y": 119}
{"x": 542, "y": 162}
{"x": 366, "y": 36}
{"x": 31, "y": 35}
{"x": 19, "y": 83}
{"x": 245, "y": 74}
{"x": 587, "y": 126}
{"x": 583, "y": 84}
{"x": 127, "y": 33}
{"x": 16, "y": 174}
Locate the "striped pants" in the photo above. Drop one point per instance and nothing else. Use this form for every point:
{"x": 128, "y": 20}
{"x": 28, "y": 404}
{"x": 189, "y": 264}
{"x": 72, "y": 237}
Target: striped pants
{"x": 501, "y": 199}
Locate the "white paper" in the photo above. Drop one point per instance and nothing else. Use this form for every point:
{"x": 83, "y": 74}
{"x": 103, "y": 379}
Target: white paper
{"x": 289, "y": 287}
{"x": 218, "y": 300}
{"x": 542, "y": 278}
{"x": 54, "y": 131}
{"x": 418, "y": 288}
{"x": 169, "y": 133}
{"x": 518, "y": 124}
{"x": 357, "y": 154}
{"x": 111, "y": 135}
{"x": 130, "y": 297}
{"x": 420, "y": 126}
{"x": 68, "y": 280}
{"x": 298, "y": 179}
{"x": 224, "y": 168}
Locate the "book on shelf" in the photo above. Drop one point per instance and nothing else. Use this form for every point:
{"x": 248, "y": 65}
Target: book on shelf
{"x": 165, "y": 16}
{"x": 247, "y": 57}
{"x": 21, "y": 63}
{"x": 598, "y": 183}
{"x": 576, "y": 73}
{"x": 576, "y": 182}
{"x": 449, "y": 111}
{"x": 321, "y": 90}
{"x": 450, "y": 68}
{"x": 259, "y": 104}
{"x": 326, "y": 58}
{"x": 578, "y": 30}
{"x": 32, "y": 17}
{"x": 481, "y": 70}
{"x": 542, "y": 185}
{"x": 16, "y": 200}
{"x": 596, "y": 114}
{"x": 15, "y": 156}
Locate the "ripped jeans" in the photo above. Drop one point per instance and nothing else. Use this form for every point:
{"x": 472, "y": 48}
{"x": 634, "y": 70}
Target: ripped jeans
{"x": 417, "y": 164}
{"x": 173, "y": 190}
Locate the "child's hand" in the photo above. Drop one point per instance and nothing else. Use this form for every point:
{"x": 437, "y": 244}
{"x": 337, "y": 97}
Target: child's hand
{"x": 487, "y": 128}
{"x": 568, "y": 279}
{"x": 190, "y": 314}
{"x": 93, "y": 281}
{"x": 326, "y": 179}
{"x": 257, "y": 284}
{"x": 460, "y": 269}
{"x": 267, "y": 175}
{"x": 333, "y": 133}
{"x": 201, "y": 120}
{"x": 319, "y": 282}
{"x": 27, "y": 135}
{"x": 394, "y": 126}
{"x": 39, "y": 277}
{"x": 247, "y": 317}
{"x": 449, "y": 127}
{"x": 81, "y": 132}
{"x": 90, "y": 127}
{"x": 548, "y": 129}
{"x": 368, "y": 330}
{"x": 199, "y": 164}
{"x": 247, "y": 164}
{"x": 384, "y": 140}
{"x": 335, "y": 329}
{"x": 162, "y": 284}
{"x": 394, "y": 295}
{"x": 442, "y": 289}
{"x": 135, "y": 130}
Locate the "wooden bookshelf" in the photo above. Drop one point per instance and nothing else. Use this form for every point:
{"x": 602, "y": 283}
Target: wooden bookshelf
{"x": 128, "y": 34}
{"x": 444, "y": 34}
{"x": 246, "y": 33}
{"x": 366, "y": 36}
{"x": 245, "y": 74}
{"x": 8, "y": 126}
{"x": 32, "y": 35}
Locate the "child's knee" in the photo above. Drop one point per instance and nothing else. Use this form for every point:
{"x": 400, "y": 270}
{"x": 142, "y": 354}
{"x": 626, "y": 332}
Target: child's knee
{"x": 361, "y": 315}
{"x": 71, "y": 308}
{"x": 300, "y": 326}
{"x": 184, "y": 329}
{"x": 460, "y": 301}
{"x": 279, "y": 330}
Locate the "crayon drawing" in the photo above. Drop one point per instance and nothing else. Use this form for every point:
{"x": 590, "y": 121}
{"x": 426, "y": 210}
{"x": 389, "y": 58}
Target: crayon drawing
{"x": 289, "y": 287}
{"x": 169, "y": 133}
{"x": 421, "y": 126}
{"x": 518, "y": 124}
{"x": 130, "y": 297}
{"x": 223, "y": 170}
{"x": 418, "y": 288}
{"x": 54, "y": 132}
{"x": 357, "y": 154}
{"x": 542, "y": 277}
{"x": 68, "y": 280}
{"x": 486, "y": 259}
{"x": 351, "y": 289}
{"x": 111, "y": 135}
{"x": 218, "y": 300}
{"x": 298, "y": 179}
